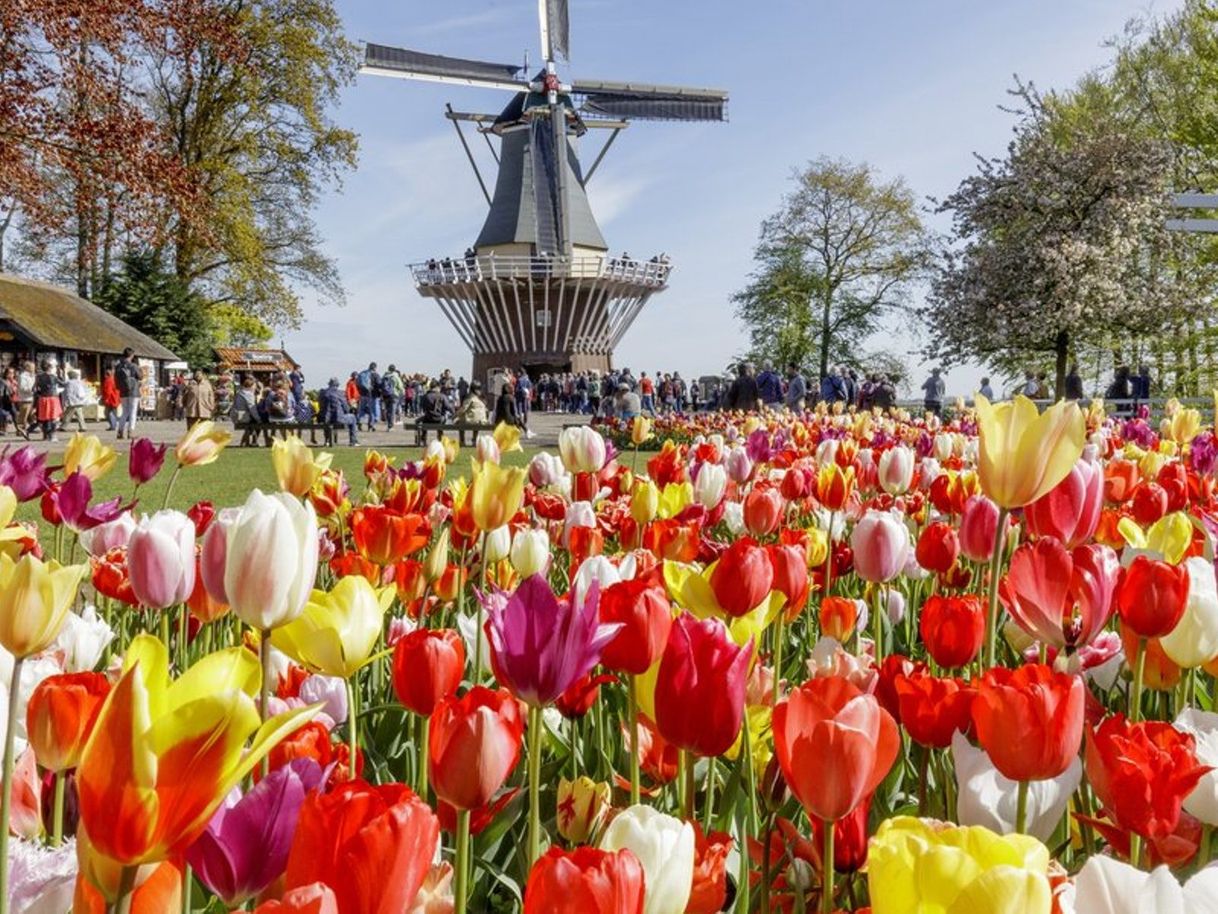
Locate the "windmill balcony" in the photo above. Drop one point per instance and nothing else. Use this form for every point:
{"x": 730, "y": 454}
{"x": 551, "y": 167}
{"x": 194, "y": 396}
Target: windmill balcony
{"x": 652, "y": 274}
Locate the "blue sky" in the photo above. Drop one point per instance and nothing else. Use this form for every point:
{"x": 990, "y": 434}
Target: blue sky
{"x": 912, "y": 88}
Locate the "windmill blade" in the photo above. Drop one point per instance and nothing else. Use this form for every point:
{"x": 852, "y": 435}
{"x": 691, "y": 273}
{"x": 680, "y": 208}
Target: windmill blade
{"x": 381, "y": 60}
{"x": 555, "y": 28}
{"x": 647, "y": 102}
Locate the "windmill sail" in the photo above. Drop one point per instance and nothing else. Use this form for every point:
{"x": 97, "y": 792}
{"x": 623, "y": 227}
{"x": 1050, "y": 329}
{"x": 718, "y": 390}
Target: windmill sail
{"x": 646, "y": 102}
{"x": 555, "y": 29}
{"x": 386, "y": 61}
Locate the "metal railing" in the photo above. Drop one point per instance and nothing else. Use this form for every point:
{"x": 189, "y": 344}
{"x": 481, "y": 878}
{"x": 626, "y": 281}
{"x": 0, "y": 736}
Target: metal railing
{"x": 652, "y": 272}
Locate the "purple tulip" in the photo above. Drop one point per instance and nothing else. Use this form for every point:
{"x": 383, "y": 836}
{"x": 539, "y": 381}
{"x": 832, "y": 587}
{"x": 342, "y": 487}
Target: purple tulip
{"x": 25, "y": 472}
{"x": 145, "y": 460}
{"x": 72, "y": 502}
{"x": 245, "y": 847}
{"x": 758, "y": 446}
{"x": 539, "y": 644}
{"x": 1203, "y": 453}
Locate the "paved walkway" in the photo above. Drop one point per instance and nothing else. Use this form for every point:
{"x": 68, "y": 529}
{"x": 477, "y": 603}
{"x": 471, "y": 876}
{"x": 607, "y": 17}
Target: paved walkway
{"x": 545, "y": 428}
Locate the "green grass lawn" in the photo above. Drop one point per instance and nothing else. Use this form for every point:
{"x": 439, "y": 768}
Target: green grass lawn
{"x": 229, "y": 480}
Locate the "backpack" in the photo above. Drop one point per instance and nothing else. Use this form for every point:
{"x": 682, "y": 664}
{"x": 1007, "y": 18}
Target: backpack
{"x": 363, "y": 382}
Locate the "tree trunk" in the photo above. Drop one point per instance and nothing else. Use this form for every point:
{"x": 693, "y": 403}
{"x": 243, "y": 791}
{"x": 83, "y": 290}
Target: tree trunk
{"x": 825, "y": 335}
{"x": 1061, "y": 348}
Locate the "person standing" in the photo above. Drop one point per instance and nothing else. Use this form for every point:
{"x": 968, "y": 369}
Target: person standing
{"x": 110, "y": 398}
{"x": 1074, "y": 384}
{"x": 127, "y": 379}
{"x": 46, "y": 394}
{"x": 76, "y": 396}
{"x": 832, "y": 387}
{"x": 743, "y": 394}
{"x": 797, "y": 389}
{"x": 769, "y": 386}
{"x": 368, "y": 382}
{"x": 392, "y": 389}
{"x": 986, "y": 390}
{"x": 25, "y": 399}
{"x": 199, "y": 399}
{"x": 505, "y": 407}
{"x": 933, "y": 390}
{"x": 524, "y": 398}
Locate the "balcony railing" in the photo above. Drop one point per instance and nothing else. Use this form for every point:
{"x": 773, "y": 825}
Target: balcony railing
{"x": 652, "y": 272}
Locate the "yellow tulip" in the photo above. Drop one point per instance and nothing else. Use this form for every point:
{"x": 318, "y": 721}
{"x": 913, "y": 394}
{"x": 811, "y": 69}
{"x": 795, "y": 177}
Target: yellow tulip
{"x": 1025, "y": 453}
{"x": 689, "y": 587}
{"x": 437, "y": 557}
{"x": 201, "y": 444}
{"x": 761, "y": 738}
{"x": 85, "y": 454}
{"x": 295, "y": 466}
{"x": 1152, "y": 461}
{"x": 451, "y": 449}
{"x": 163, "y": 754}
{"x": 35, "y": 598}
{"x": 1185, "y": 423}
{"x": 1169, "y": 537}
{"x": 338, "y": 630}
{"x": 917, "y": 866}
{"x": 644, "y": 502}
{"x": 751, "y": 424}
{"x": 675, "y": 498}
{"x": 507, "y": 437}
{"x": 12, "y": 535}
{"x": 818, "y": 547}
{"x": 496, "y": 495}
{"x": 640, "y": 430}
{"x": 582, "y": 806}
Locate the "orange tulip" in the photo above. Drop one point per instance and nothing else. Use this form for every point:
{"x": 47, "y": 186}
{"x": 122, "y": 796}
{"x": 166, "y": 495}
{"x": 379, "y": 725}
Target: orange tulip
{"x": 60, "y": 715}
{"x": 833, "y": 486}
{"x": 384, "y": 536}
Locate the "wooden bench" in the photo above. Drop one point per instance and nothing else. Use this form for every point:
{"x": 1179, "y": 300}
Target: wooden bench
{"x": 252, "y": 431}
{"x": 467, "y": 433}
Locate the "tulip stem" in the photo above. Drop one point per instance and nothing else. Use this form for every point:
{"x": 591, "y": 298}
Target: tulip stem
{"x": 1139, "y": 672}
{"x": 422, "y": 725}
{"x": 828, "y": 591}
{"x": 352, "y": 728}
{"x": 57, "y": 810}
{"x": 879, "y": 614}
{"x": 632, "y": 696}
{"x": 535, "y": 726}
{"x": 780, "y": 635}
{"x": 126, "y": 890}
{"x": 826, "y": 864}
{"x": 1203, "y": 855}
{"x": 991, "y": 639}
{"x": 173, "y": 478}
{"x": 1135, "y": 849}
{"x": 688, "y": 760}
{"x": 461, "y": 894}
{"x": 478, "y": 629}
{"x": 10, "y": 733}
{"x": 708, "y": 807}
{"x": 1021, "y": 808}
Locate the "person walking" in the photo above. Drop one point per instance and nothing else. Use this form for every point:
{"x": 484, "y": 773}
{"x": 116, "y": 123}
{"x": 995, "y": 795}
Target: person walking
{"x": 198, "y": 399}
{"x": 1074, "y": 383}
{"x": 833, "y": 387}
{"x": 127, "y": 379}
{"x": 505, "y": 408}
{"x": 25, "y": 399}
{"x": 76, "y": 396}
{"x": 110, "y": 398}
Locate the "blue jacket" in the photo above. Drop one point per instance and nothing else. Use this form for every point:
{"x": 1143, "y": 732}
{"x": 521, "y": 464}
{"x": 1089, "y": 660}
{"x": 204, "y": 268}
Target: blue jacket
{"x": 332, "y": 406}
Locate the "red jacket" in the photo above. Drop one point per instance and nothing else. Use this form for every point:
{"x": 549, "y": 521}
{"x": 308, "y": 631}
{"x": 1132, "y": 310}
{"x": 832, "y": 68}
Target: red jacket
{"x": 109, "y": 391}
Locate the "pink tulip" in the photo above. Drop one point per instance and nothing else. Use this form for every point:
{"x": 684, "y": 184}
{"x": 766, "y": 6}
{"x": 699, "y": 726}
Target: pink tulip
{"x": 978, "y": 525}
{"x": 1061, "y": 598}
{"x": 896, "y": 470}
{"x": 214, "y": 554}
{"x": 161, "y": 559}
{"x": 739, "y": 465}
{"x": 1070, "y": 511}
{"x": 104, "y": 537}
{"x": 881, "y": 545}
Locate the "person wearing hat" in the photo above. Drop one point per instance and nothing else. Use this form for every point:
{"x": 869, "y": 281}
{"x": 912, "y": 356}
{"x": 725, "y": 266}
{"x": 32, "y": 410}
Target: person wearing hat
{"x": 626, "y": 405}
{"x": 332, "y": 409}
{"x": 473, "y": 408}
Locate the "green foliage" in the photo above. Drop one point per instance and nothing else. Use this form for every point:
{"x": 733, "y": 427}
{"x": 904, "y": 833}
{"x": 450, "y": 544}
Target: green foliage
{"x": 156, "y": 301}
{"x": 234, "y": 326}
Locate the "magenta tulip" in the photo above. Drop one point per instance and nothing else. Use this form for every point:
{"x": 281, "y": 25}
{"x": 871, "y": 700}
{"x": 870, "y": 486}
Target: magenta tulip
{"x": 72, "y": 498}
{"x": 540, "y": 645}
{"x": 161, "y": 559}
{"x": 881, "y": 546}
{"x": 978, "y": 526}
{"x": 1070, "y": 511}
{"x": 246, "y": 844}
{"x": 145, "y": 460}
{"x": 25, "y": 472}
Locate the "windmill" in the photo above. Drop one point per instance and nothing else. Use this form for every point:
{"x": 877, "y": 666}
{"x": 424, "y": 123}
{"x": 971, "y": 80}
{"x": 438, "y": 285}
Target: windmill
{"x": 538, "y": 288}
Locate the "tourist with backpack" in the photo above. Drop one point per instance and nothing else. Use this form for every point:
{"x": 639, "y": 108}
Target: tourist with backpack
{"x": 127, "y": 380}
{"x": 368, "y": 383}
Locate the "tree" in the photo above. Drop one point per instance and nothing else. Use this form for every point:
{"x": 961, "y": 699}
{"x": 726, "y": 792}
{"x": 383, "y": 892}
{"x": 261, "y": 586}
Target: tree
{"x": 156, "y": 301}
{"x": 1060, "y": 245}
{"x": 842, "y": 252}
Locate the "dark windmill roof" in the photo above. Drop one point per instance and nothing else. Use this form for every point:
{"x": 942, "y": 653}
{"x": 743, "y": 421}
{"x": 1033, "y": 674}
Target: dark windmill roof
{"x": 55, "y": 318}
{"x": 523, "y": 209}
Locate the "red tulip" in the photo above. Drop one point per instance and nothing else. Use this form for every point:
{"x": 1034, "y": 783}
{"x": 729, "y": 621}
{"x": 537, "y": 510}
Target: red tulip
{"x": 641, "y": 606}
{"x": 742, "y": 577}
{"x": 1029, "y": 720}
{"x": 1142, "y": 773}
{"x": 314, "y": 898}
{"x": 937, "y": 547}
{"x": 473, "y": 745}
{"x": 978, "y": 526}
{"x": 849, "y": 838}
{"x": 585, "y": 881}
{"x": 1070, "y": 511}
{"x": 385, "y": 536}
{"x": 762, "y": 510}
{"x": 60, "y": 716}
{"x": 581, "y": 695}
{"x": 835, "y": 745}
{"x": 1061, "y": 598}
{"x": 796, "y": 484}
{"x": 790, "y": 564}
{"x": 709, "y": 891}
{"x": 1120, "y": 479}
{"x": 427, "y": 668}
{"x": 838, "y": 616}
{"x": 1149, "y": 503}
{"x": 1152, "y": 596}
{"x": 952, "y": 628}
{"x": 371, "y": 845}
{"x": 699, "y": 694}
{"x": 933, "y": 709}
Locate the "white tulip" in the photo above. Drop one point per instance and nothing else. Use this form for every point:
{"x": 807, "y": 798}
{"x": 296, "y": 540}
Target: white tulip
{"x": 42, "y": 880}
{"x": 33, "y": 671}
{"x": 1105, "y": 885}
{"x": 498, "y": 544}
{"x": 665, "y": 848}
{"x": 1203, "y": 726}
{"x": 987, "y": 798}
{"x": 1194, "y": 640}
{"x": 579, "y": 514}
{"x": 710, "y": 486}
{"x": 104, "y": 537}
{"x": 487, "y": 449}
{"x": 595, "y": 568}
{"x": 531, "y": 552}
{"x": 83, "y": 639}
{"x": 271, "y": 559}
{"x": 582, "y": 448}
{"x": 733, "y": 516}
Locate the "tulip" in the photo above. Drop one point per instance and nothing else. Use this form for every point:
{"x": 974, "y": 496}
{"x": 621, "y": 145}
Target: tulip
{"x": 834, "y": 486}
{"x": 952, "y": 628}
{"x": 86, "y": 454}
{"x": 1142, "y": 773}
{"x": 1105, "y": 885}
{"x": 896, "y": 468}
{"x": 201, "y": 444}
{"x": 314, "y": 898}
{"x": 25, "y": 472}
{"x": 161, "y": 559}
{"x": 145, "y": 460}
{"x": 762, "y": 511}
{"x": 582, "y": 806}
{"x": 1202, "y": 726}
{"x": 933, "y": 709}
{"x": 1152, "y": 596}
{"x": 790, "y": 567}
{"x": 918, "y": 865}
{"x": 585, "y": 881}
{"x": 978, "y": 528}
{"x": 69, "y": 505}
{"x": 245, "y": 845}
{"x": 708, "y": 892}
{"x": 60, "y": 716}
{"x": 338, "y": 629}
{"x": 710, "y": 486}
{"x": 111, "y": 535}
{"x": 496, "y": 494}
{"x": 496, "y": 546}
{"x": 384, "y": 536}
{"x": 699, "y": 690}
{"x": 474, "y": 744}
{"x": 1149, "y": 503}
{"x": 42, "y": 879}
{"x": 427, "y": 668}
{"x": 881, "y": 543}
{"x": 989, "y": 799}
{"x": 1070, "y": 511}
{"x": 487, "y": 449}
{"x": 1029, "y": 720}
{"x": 640, "y": 430}
{"x": 644, "y": 502}
{"x": 270, "y": 560}
{"x": 372, "y": 845}
{"x": 578, "y": 514}
{"x": 1061, "y": 598}
{"x": 838, "y": 617}
{"x": 295, "y": 466}
{"x": 937, "y": 548}
{"x": 545, "y": 469}
{"x": 530, "y": 552}
{"x": 582, "y": 448}
{"x": 742, "y": 577}
{"x": 665, "y": 848}
{"x": 641, "y": 607}
{"x": 739, "y": 465}
{"x": 163, "y": 755}
{"x": 83, "y": 639}
{"x": 1025, "y": 454}
{"x": 1194, "y": 639}
{"x": 35, "y": 599}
